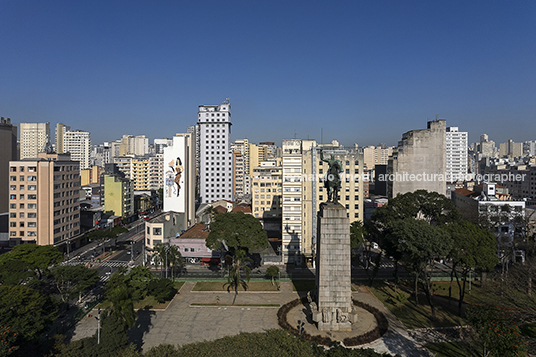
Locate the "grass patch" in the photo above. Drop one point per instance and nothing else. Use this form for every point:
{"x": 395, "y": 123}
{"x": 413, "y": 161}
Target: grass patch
{"x": 219, "y": 286}
{"x": 416, "y": 316}
{"x": 306, "y": 285}
{"x": 148, "y": 303}
{"x": 243, "y": 305}
{"x": 455, "y": 349}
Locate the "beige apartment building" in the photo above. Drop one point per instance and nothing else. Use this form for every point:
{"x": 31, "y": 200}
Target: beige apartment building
{"x": 59, "y": 134}
{"x": 44, "y": 199}
{"x": 376, "y": 155}
{"x": 146, "y": 172}
{"x": 303, "y": 192}
{"x": 267, "y": 183}
{"x": 33, "y": 138}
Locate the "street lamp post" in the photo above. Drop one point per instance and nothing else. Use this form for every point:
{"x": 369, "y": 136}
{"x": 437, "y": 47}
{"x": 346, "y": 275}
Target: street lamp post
{"x": 168, "y": 247}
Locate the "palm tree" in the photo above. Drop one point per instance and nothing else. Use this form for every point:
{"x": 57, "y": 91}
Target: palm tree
{"x": 160, "y": 252}
{"x": 235, "y": 278}
{"x": 175, "y": 258}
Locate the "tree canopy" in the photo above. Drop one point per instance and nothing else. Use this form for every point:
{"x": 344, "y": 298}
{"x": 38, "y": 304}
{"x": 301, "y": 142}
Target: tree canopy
{"x": 72, "y": 281}
{"x": 26, "y": 310}
{"x": 39, "y": 257}
{"x": 238, "y": 231}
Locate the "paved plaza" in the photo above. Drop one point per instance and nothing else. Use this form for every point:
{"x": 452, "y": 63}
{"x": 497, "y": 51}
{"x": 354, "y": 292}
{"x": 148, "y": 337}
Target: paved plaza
{"x": 182, "y": 323}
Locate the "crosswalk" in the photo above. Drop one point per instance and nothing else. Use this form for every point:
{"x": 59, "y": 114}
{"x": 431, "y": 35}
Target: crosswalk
{"x": 92, "y": 264}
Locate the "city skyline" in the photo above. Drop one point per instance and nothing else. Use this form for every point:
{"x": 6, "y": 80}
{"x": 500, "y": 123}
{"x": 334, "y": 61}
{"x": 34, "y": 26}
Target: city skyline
{"x": 359, "y": 72}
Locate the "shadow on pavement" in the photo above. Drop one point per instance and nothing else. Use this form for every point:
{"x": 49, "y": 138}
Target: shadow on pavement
{"x": 143, "y": 323}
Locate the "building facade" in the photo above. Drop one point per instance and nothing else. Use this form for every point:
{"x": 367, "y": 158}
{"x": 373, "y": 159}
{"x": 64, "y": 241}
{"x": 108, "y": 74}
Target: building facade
{"x": 8, "y": 148}
{"x": 303, "y": 192}
{"x": 44, "y": 199}
{"x": 457, "y": 155}
{"x": 419, "y": 162}
{"x": 216, "y": 160}
{"x": 178, "y": 178}
{"x": 33, "y": 138}
{"x": 59, "y": 134}
{"x": 118, "y": 196}
{"x": 78, "y": 144}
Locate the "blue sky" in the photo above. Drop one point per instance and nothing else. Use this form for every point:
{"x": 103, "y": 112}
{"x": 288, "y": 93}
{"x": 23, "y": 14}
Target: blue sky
{"x": 362, "y": 71}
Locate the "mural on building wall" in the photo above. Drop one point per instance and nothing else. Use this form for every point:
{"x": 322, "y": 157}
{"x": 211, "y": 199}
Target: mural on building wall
{"x": 174, "y": 176}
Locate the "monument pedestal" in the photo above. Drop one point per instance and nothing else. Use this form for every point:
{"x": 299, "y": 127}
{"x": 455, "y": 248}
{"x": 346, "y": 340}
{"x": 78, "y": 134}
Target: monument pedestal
{"x": 333, "y": 308}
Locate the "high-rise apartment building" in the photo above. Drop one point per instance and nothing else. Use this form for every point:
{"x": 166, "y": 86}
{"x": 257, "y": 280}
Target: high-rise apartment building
{"x": 376, "y": 155}
{"x": 160, "y": 144}
{"x": 8, "y": 148}
{"x": 419, "y": 162}
{"x": 487, "y": 147}
{"x": 267, "y": 183}
{"x": 156, "y": 171}
{"x": 118, "y": 196}
{"x": 457, "y": 155}
{"x": 511, "y": 149}
{"x": 44, "y": 199}
{"x": 194, "y": 130}
{"x": 78, "y": 144}
{"x": 529, "y": 148}
{"x": 303, "y": 192}
{"x": 33, "y": 139}
{"x": 59, "y": 133}
{"x": 216, "y": 160}
{"x": 179, "y": 178}
{"x": 134, "y": 145}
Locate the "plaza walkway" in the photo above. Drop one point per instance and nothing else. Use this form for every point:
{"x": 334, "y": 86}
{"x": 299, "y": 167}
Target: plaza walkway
{"x": 182, "y": 323}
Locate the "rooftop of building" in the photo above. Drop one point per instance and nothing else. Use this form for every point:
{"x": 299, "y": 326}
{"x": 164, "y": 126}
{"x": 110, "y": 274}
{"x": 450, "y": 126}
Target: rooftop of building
{"x": 198, "y": 231}
{"x": 161, "y": 218}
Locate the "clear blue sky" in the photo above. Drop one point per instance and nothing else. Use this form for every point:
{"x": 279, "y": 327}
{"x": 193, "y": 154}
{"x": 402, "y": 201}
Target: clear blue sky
{"x": 364, "y": 71}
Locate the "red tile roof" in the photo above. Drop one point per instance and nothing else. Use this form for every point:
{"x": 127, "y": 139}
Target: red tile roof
{"x": 197, "y": 232}
{"x": 221, "y": 209}
{"x": 242, "y": 208}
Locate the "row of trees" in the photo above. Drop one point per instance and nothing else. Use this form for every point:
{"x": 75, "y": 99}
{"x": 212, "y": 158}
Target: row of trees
{"x": 420, "y": 228}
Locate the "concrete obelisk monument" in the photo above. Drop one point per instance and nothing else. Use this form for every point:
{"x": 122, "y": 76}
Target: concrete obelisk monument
{"x": 333, "y": 308}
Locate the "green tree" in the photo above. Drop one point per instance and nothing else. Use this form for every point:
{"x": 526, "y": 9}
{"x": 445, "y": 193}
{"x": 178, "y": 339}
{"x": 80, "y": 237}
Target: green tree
{"x": 496, "y": 332}
{"x": 139, "y": 279}
{"x": 99, "y": 236}
{"x": 272, "y": 272}
{"x": 16, "y": 272}
{"x": 26, "y": 310}
{"x": 236, "y": 277}
{"x": 236, "y": 231}
{"x": 115, "y": 232}
{"x": 420, "y": 244}
{"x": 72, "y": 281}
{"x": 430, "y": 207}
{"x": 357, "y": 232}
{"x": 121, "y": 295}
{"x": 162, "y": 290}
{"x": 472, "y": 248}
{"x": 39, "y": 257}
{"x": 168, "y": 255}
{"x": 8, "y": 340}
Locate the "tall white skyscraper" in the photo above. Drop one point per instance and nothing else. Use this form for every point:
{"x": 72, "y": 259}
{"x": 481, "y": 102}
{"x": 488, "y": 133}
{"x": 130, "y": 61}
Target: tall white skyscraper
{"x": 456, "y": 154}
{"x": 33, "y": 138}
{"x": 78, "y": 143}
{"x": 215, "y": 159}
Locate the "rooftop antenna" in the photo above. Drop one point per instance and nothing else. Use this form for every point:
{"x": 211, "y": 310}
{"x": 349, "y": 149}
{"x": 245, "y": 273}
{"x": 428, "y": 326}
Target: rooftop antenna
{"x": 295, "y": 135}
{"x": 321, "y": 136}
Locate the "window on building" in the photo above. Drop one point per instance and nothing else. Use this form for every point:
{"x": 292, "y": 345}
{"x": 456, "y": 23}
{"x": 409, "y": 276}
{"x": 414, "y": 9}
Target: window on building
{"x": 157, "y": 231}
